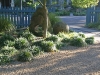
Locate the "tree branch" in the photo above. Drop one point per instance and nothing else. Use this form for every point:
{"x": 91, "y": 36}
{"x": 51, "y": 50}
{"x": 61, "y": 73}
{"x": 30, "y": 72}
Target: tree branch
{"x": 40, "y": 2}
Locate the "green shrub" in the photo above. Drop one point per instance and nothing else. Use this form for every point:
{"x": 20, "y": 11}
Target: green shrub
{"x": 81, "y": 34}
{"x": 26, "y": 34}
{"x": 6, "y": 25}
{"x": 38, "y": 43}
{"x": 25, "y": 56}
{"x": 65, "y": 40}
{"x": 4, "y": 38}
{"x": 8, "y": 50}
{"x": 4, "y": 59}
{"x": 9, "y": 43}
{"x": 78, "y": 41}
{"x": 94, "y": 25}
{"x": 89, "y": 40}
{"x": 53, "y": 19}
{"x": 48, "y": 46}
{"x": 53, "y": 38}
{"x": 62, "y": 13}
{"x": 73, "y": 34}
{"x": 35, "y": 50}
{"x": 63, "y": 35}
{"x": 59, "y": 45}
{"x": 21, "y": 43}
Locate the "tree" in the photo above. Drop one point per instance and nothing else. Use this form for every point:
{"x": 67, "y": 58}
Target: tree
{"x": 84, "y": 3}
{"x": 43, "y": 3}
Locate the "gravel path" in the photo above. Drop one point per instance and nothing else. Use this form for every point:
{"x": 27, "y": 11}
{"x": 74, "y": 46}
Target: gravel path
{"x": 68, "y": 61}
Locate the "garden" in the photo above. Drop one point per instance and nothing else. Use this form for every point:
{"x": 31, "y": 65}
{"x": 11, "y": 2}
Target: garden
{"x": 22, "y": 45}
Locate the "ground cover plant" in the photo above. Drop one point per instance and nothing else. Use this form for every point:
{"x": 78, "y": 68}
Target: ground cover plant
{"x": 20, "y": 47}
{"x": 94, "y": 25}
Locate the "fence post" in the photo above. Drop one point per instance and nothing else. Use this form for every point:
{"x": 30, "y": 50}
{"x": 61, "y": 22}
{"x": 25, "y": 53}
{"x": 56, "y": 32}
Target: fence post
{"x": 88, "y": 16}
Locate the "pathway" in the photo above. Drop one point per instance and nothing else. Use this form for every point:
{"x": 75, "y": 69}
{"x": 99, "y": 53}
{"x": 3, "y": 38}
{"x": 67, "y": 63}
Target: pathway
{"x": 77, "y": 23}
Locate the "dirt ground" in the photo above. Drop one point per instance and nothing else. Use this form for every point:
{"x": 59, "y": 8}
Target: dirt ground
{"x": 68, "y": 61}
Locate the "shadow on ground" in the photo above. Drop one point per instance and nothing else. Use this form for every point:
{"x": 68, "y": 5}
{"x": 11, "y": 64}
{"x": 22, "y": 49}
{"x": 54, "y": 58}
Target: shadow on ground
{"x": 69, "y": 61}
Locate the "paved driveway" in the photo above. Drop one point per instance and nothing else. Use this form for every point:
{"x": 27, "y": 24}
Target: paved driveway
{"x": 78, "y": 23}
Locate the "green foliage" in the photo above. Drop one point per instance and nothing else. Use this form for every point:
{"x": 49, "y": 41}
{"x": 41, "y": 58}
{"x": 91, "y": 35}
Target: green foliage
{"x": 35, "y": 50}
{"x": 4, "y": 38}
{"x": 48, "y": 46}
{"x": 9, "y": 43}
{"x": 4, "y": 59}
{"x": 63, "y": 35}
{"x": 26, "y": 34}
{"x": 62, "y": 13}
{"x": 94, "y": 25}
{"x": 21, "y": 43}
{"x": 59, "y": 45}
{"x": 65, "y": 40}
{"x": 81, "y": 34}
{"x": 53, "y": 19}
{"x": 77, "y": 41}
{"x": 84, "y": 3}
{"x": 79, "y": 14}
{"x": 8, "y": 50}
{"x": 89, "y": 40}
{"x": 53, "y": 38}
{"x": 25, "y": 56}
{"x": 6, "y": 25}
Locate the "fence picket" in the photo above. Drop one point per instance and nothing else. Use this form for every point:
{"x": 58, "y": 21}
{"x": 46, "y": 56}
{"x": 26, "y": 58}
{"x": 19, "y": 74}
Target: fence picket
{"x": 92, "y": 15}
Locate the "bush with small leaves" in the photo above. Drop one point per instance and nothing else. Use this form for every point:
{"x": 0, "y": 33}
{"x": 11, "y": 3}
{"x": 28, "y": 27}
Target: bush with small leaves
{"x": 26, "y": 34}
{"x": 4, "y": 59}
{"x": 6, "y": 25}
{"x": 89, "y": 40}
{"x": 81, "y": 34}
{"x": 4, "y": 38}
{"x": 36, "y": 50}
{"x": 48, "y": 46}
{"x": 8, "y": 50}
{"x": 53, "y": 19}
{"x": 62, "y": 34}
{"x": 59, "y": 45}
{"x": 65, "y": 40}
{"x": 9, "y": 43}
{"x": 73, "y": 34}
{"x": 21, "y": 43}
{"x": 53, "y": 38}
{"x": 77, "y": 41}
{"x": 25, "y": 56}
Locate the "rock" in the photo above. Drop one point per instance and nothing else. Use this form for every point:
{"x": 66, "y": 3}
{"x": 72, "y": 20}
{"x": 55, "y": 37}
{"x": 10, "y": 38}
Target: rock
{"x": 60, "y": 27}
{"x": 38, "y": 20}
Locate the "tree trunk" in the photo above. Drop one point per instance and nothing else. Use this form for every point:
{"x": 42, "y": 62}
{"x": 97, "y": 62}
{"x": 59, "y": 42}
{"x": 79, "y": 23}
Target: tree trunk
{"x": 46, "y": 20}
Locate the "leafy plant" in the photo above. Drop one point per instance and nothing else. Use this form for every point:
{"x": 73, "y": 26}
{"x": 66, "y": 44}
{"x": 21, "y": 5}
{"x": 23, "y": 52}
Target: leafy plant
{"x": 6, "y": 25}
{"x": 4, "y": 38}
{"x": 89, "y": 40}
{"x": 78, "y": 41}
{"x": 25, "y": 56}
{"x": 36, "y": 50}
{"x": 8, "y": 50}
{"x": 53, "y": 19}
{"x": 81, "y": 34}
{"x": 4, "y": 59}
{"x": 48, "y": 46}
{"x": 9, "y": 43}
{"x": 65, "y": 40}
{"x": 59, "y": 45}
{"x": 21, "y": 43}
{"x": 53, "y": 38}
{"x": 26, "y": 34}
